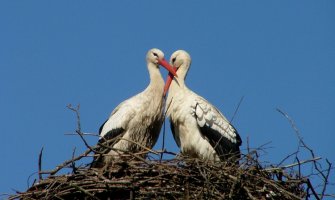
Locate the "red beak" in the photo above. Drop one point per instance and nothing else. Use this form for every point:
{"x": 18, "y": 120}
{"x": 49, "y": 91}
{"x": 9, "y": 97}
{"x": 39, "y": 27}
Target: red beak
{"x": 167, "y": 66}
{"x": 169, "y": 80}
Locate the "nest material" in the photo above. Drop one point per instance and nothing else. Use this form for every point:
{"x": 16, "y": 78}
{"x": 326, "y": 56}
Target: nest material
{"x": 179, "y": 178}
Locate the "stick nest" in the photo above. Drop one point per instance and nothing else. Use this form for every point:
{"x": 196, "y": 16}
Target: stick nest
{"x": 179, "y": 178}
{"x": 132, "y": 177}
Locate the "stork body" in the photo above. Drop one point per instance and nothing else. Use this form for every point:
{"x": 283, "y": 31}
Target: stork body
{"x": 198, "y": 127}
{"x": 136, "y": 122}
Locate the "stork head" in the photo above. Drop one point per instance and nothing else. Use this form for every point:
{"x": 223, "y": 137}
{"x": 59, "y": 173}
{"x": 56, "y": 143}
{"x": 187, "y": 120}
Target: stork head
{"x": 181, "y": 62}
{"x": 156, "y": 57}
{"x": 182, "y": 59}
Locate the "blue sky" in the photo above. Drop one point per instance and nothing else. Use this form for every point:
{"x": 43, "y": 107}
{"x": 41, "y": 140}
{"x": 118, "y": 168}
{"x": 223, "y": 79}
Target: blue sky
{"x": 277, "y": 54}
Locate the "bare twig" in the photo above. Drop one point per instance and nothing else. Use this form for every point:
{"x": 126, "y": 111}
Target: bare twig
{"x": 73, "y": 164}
{"x": 163, "y": 142}
{"x": 291, "y": 122}
{"x": 287, "y": 157}
{"x": 40, "y": 164}
{"x": 237, "y": 108}
{"x": 85, "y": 142}
{"x": 326, "y": 179}
{"x": 293, "y": 164}
{"x": 168, "y": 106}
{"x": 66, "y": 163}
{"x": 76, "y": 110}
{"x": 310, "y": 186}
{"x": 164, "y": 128}
{"x": 78, "y": 131}
{"x": 144, "y": 147}
{"x": 83, "y": 134}
{"x": 229, "y": 123}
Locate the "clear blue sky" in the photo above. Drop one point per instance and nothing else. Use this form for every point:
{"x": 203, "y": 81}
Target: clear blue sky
{"x": 277, "y": 54}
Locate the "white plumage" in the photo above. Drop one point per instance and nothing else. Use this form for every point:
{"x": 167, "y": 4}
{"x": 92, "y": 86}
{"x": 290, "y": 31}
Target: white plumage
{"x": 200, "y": 129}
{"x": 136, "y": 122}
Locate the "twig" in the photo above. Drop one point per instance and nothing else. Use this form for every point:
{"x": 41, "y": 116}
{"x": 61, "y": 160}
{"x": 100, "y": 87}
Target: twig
{"x": 29, "y": 177}
{"x": 229, "y": 123}
{"x": 163, "y": 137}
{"x": 163, "y": 142}
{"x": 238, "y": 106}
{"x": 291, "y": 122}
{"x": 84, "y": 134}
{"x": 85, "y": 142}
{"x": 312, "y": 188}
{"x": 299, "y": 166}
{"x": 292, "y": 165}
{"x": 168, "y": 106}
{"x": 66, "y": 163}
{"x": 73, "y": 164}
{"x": 76, "y": 110}
{"x": 326, "y": 179}
{"x": 166, "y": 152}
{"x": 78, "y": 131}
{"x": 287, "y": 157}
{"x": 40, "y": 164}
{"x": 144, "y": 147}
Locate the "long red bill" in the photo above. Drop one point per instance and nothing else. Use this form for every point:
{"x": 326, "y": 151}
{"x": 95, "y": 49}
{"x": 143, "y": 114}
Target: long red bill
{"x": 167, "y": 66}
{"x": 169, "y": 81}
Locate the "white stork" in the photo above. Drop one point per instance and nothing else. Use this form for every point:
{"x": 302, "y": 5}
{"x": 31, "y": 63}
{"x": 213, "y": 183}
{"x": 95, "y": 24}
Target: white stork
{"x": 137, "y": 121}
{"x": 199, "y": 128}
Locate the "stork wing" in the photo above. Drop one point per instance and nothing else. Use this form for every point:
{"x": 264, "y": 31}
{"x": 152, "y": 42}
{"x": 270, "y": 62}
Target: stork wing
{"x": 117, "y": 121}
{"x": 222, "y": 136}
{"x": 114, "y": 126}
{"x": 113, "y": 129}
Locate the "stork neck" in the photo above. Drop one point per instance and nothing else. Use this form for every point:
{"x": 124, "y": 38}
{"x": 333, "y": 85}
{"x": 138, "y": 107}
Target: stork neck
{"x": 182, "y": 72}
{"x": 156, "y": 79}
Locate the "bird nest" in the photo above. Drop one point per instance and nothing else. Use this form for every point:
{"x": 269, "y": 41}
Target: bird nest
{"x": 180, "y": 178}
{"x": 133, "y": 177}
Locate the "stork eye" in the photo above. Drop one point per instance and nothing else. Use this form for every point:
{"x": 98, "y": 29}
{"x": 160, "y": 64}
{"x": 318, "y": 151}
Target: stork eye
{"x": 155, "y": 54}
{"x": 173, "y": 60}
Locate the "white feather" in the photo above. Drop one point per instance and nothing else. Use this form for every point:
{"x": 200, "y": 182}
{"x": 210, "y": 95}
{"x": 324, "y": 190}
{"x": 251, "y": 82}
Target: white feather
{"x": 213, "y": 118}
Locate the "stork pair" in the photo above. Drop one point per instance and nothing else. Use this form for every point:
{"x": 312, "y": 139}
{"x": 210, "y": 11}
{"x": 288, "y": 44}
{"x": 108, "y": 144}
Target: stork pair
{"x": 199, "y": 129}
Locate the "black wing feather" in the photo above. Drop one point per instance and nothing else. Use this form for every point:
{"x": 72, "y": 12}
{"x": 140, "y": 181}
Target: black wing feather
{"x": 112, "y": 134}
{"x": 173, "y": 132}
{"x": 109, "y": 139}
{"x": 222, "y": 146}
